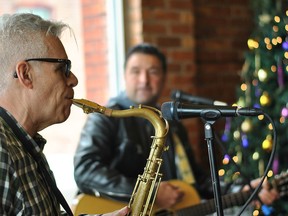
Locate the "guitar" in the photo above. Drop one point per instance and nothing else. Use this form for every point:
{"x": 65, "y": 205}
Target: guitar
{"x": 190, "y": 205}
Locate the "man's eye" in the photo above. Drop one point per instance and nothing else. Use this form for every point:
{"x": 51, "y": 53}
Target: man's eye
{"x": 135, "y": 72}
{"x": 62, "y": 68}
{"x": 154, "y": 72}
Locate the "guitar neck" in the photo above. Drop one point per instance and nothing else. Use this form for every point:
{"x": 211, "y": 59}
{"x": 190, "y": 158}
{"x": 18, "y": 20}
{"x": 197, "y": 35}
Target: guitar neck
{"x": 208, "y": 207}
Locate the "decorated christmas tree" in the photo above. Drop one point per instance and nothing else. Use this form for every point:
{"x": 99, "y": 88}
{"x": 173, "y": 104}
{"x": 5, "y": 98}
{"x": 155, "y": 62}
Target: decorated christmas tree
{"x": 249, "y": 140}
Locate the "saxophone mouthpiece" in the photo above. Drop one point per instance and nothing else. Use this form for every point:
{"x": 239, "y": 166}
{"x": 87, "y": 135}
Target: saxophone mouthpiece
{"x": 77, "y": 102}
{"x": 89, "y": 106}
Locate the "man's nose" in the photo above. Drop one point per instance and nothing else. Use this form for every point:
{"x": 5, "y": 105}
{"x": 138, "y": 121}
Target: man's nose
{"x": 72, "y": 80}
{"x": 144, "y": 76}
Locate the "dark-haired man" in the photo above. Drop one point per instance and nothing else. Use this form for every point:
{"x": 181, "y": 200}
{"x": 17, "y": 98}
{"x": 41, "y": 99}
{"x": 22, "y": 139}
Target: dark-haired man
{"x": 112, "y": 152}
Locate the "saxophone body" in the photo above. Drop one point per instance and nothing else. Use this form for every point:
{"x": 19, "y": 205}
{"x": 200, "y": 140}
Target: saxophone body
{"x": 144, "y": 193}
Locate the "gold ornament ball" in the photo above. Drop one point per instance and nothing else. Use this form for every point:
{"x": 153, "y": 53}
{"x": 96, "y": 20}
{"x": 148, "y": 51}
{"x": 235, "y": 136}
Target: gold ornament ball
{"x": 267, "y": 144}
{"x": 265, "y": 99}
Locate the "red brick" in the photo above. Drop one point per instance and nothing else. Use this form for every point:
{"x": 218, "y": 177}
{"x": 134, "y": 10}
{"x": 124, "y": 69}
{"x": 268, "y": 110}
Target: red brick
{"x": 153, "y": 3}
{"x": 160, "y": 15}
{"x": 155, "y": 28}
{"x": 180, "y": 4}
{"x": 168, "y": 41}
{"x": 183, "y": 29}
{"x": 183, "y": 55}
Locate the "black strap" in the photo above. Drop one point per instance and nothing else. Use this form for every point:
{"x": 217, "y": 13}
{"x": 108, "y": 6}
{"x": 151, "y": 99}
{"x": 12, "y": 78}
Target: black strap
{"x": 28, "y": 146}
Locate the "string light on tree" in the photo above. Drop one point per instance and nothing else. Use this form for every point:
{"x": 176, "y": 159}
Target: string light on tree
{"x": 265, "y": 99}
{"x": 246, "y": 125}
{"x": 267, "y": 143}
{"x": 262, "y": 75}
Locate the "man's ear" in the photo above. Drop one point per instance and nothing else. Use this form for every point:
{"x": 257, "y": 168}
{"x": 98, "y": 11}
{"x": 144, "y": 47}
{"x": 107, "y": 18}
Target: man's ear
{"x": 24, "y": 75}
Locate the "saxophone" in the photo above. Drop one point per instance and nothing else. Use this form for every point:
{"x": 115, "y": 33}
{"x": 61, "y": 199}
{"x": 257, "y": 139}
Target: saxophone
{"x": 144, "y": 193}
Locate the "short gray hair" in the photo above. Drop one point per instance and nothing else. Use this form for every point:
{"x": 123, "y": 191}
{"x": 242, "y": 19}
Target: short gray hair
{"x": 22, "y": 36}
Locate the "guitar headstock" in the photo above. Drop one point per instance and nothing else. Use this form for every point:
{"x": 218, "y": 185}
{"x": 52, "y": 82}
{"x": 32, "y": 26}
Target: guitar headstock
{"x": 280, "y": 183}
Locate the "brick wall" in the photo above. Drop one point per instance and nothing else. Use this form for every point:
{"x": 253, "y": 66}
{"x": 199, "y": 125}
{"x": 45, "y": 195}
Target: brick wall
{"x": 95, "y": 49}
{"x": 222, "y": 28}
{"x": 203, "y": 40}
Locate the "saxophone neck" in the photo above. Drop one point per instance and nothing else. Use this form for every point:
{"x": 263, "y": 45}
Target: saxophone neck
{"x": 89, "y": 107}
{"x": 150, "y": 113}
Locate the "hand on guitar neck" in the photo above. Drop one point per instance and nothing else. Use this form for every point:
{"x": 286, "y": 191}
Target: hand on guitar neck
{"x": 267, "y": 194}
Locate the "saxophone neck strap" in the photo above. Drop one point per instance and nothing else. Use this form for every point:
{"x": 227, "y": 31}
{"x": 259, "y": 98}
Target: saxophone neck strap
{"x": 43, "y": 171}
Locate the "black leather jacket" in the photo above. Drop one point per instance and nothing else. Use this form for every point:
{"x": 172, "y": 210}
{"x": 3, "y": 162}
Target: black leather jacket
{"x": 112, "y": 152}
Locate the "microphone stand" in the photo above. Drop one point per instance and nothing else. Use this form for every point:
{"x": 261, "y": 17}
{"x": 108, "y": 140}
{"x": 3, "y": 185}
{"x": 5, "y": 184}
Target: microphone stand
{"x": 213, "y": 167}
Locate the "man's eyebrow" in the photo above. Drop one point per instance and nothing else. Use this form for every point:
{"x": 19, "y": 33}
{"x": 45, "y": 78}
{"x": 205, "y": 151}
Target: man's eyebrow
{"x": 135, "y": 68}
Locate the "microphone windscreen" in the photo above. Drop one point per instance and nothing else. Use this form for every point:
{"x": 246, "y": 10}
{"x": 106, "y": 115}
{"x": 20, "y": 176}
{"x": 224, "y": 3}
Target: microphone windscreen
{"x": 167, "y": 110}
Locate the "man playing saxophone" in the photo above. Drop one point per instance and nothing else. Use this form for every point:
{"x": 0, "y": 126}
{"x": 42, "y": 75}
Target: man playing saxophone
{"x": 112, "y": 152}
{"x": 36, "y": 91}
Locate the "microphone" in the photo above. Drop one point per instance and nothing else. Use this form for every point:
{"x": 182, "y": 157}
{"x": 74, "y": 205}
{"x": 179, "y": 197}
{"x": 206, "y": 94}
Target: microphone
{"x": 180, "y": 95}
{"x": 176, "y": 110}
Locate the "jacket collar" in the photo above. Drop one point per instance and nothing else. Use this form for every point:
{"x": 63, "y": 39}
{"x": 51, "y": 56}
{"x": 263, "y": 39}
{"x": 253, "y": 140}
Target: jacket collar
{"x": 122, "y": 100}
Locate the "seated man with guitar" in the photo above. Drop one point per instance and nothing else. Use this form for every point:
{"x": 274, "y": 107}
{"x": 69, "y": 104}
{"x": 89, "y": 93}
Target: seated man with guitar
{"x": 112, "y": 152}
